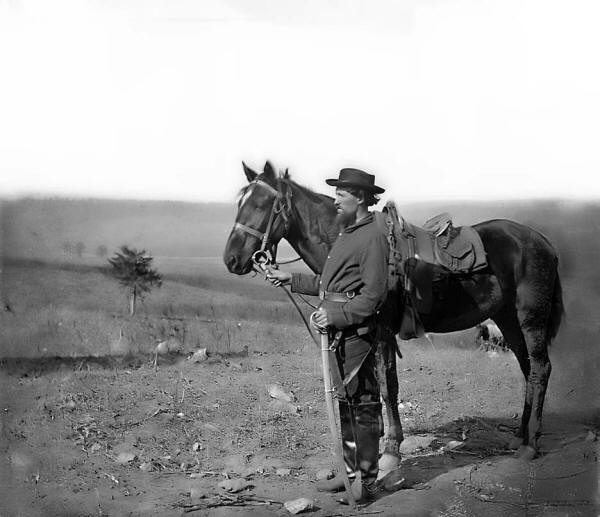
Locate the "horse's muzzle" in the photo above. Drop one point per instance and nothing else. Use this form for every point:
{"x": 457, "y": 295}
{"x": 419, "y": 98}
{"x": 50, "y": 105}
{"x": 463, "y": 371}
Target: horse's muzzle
{"x": 235, "y": 266}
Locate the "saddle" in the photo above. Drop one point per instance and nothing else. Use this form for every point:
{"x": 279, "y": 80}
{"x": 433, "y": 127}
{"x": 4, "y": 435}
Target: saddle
{"x": 422, "y": 256}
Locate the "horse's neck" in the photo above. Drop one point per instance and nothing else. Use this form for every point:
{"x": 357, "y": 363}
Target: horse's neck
{"x": 313, "y": 229}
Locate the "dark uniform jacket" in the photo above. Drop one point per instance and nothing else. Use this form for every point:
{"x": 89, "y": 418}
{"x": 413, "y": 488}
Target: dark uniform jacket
{"x": 357, "y": 263}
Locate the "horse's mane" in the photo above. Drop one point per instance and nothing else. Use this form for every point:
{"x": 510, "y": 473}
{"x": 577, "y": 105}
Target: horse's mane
{"x": 309, "y": 193}
{"x": 285, "y": 178}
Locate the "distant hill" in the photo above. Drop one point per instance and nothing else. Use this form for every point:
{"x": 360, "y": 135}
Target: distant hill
{"x": 44, "y": 228}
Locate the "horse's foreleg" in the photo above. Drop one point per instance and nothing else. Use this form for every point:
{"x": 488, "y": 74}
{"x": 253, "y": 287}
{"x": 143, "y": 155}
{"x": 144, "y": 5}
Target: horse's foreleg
{"x": 388, "y": 383}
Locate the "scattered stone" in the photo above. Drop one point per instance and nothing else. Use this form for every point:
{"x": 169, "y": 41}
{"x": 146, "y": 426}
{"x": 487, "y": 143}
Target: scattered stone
{"x": 146, "y": 466}
{"x": 302, "y": 504}
{"x": 324, "y": 474}
{"x": 277, "y": 392}
{"x": 96, "y": 447}
{"x": 125, "y": 457}
{"x": 283, "y": 472}
{"x": 413, "y": 443}
{"x": 452, "y": 445}
{"x": 199, "y": 355}
{"x": 234, "y": 485}
{"x": 169, "y": 346}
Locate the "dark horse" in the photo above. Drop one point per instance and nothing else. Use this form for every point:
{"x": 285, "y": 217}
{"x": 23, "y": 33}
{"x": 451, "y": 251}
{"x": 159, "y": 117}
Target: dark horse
{"x": 519, "y": 289}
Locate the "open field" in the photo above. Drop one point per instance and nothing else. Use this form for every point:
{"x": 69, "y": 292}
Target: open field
{"x": 89, "y": 426}
{"x": 98, "y": 434}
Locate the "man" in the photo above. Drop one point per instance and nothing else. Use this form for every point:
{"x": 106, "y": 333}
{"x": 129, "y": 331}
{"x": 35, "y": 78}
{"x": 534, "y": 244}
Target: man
{"x": 352, "y": 287}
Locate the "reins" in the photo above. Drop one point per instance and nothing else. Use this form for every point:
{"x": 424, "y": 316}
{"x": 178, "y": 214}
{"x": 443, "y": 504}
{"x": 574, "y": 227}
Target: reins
{"x": 261, "y": 262}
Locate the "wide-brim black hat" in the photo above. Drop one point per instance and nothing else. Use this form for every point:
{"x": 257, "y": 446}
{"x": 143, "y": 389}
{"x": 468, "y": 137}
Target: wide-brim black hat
{"x": 356, "y": 178}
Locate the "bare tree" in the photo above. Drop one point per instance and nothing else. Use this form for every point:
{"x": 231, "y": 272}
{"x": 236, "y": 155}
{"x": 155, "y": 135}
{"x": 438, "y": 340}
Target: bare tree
{"x": 132, "y": 268}
{"x": 67, "y": 248}
{"x": 101, "y": 251}
{"x": 79, "y": 249}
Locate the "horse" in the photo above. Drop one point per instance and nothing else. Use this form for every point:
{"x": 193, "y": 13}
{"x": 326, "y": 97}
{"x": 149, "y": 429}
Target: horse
{"x": 519, "y": 289}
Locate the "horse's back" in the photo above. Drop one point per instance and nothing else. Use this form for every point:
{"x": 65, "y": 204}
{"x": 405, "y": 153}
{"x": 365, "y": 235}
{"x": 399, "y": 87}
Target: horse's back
{"x": 520, "y": 256}
{"x": 500, "y": 235}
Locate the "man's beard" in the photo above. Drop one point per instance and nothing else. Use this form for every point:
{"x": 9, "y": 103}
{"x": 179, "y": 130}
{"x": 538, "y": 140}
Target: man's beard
{"x": 344, "y": 219}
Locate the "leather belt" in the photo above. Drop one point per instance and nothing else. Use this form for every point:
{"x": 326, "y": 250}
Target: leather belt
{"x": 327, "y": 296}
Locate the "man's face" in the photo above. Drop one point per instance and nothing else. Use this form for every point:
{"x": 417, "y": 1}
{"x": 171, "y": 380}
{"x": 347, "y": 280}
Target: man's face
{"x": 347, "y": 207}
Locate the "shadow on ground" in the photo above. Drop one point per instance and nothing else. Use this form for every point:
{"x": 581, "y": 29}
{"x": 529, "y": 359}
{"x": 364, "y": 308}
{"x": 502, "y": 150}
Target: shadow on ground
{"x": 478, "y": 475}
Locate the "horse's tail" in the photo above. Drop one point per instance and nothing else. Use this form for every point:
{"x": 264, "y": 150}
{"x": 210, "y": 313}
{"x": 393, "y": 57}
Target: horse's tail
{"x": 557, "y": 310}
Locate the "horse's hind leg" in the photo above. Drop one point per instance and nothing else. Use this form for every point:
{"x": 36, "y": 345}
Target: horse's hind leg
{"x": 388, "y": 384}
{"x": 535, "y": 299}
{"x": 508, "y": 324}
{"x": 537, "y": 381}
{"x": 532, "y": 310}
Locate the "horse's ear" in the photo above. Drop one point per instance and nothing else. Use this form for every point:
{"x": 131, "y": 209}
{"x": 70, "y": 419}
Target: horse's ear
{"x": 287, "y": 174}
{"x": 269, "y": 170}
{"x": 250, "y": 174}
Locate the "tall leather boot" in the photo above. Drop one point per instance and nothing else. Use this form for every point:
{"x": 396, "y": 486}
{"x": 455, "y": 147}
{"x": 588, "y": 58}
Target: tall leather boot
{"x": 367, "y": 430}
{"x": 336, "y": 484}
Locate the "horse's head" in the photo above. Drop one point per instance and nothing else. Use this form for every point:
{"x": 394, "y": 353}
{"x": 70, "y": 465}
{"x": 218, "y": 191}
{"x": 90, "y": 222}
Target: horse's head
{"x": 262, "y": 219}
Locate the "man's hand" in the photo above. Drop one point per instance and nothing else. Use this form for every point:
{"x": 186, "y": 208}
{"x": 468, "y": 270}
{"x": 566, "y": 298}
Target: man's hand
{"x": 278, "y": 277}
{"x": 321, "y": 318}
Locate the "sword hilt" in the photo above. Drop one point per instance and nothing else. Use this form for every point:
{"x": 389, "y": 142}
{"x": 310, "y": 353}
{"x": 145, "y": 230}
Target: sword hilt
{"x": 319, "y": 328}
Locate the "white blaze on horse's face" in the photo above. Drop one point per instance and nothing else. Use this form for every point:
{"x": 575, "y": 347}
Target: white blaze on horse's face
{"x": 255, "y": 206}
{"x": 245, "y": 197}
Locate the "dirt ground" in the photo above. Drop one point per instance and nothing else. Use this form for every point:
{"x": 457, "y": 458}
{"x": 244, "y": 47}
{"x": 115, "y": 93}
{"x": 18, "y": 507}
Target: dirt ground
{"x": 99, "y": 437}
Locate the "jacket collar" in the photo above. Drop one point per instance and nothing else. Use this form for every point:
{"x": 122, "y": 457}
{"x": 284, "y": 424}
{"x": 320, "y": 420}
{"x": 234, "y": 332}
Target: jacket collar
{"x": 364, "y": 221}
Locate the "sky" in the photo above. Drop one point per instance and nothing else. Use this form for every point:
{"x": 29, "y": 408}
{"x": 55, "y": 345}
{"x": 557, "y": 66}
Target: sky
{"x": 163, "y": 99}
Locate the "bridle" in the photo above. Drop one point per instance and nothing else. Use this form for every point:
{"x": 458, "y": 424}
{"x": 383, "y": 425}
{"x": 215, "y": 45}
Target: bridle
{"x": 265, "y": 258}
{"x": 280, "y": 213}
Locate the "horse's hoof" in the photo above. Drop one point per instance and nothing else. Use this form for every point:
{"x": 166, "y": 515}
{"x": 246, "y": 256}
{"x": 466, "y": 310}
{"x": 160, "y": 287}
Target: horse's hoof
{"x": 515, "y": 443}
{"x": 526, "y": 453}
{"x": 387, "y": 463}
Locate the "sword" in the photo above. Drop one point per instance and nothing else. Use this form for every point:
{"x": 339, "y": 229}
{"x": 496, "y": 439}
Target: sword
{"x": 335, "y": 434}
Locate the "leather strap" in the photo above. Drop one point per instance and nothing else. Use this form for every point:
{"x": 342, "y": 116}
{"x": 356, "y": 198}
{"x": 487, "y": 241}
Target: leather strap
{"x": 327, "y": 296}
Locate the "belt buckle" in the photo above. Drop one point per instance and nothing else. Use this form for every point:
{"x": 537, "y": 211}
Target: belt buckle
{"x": 350, "y": 295}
